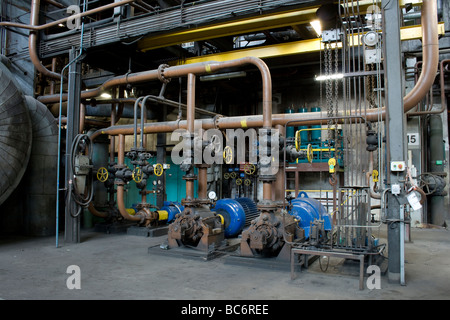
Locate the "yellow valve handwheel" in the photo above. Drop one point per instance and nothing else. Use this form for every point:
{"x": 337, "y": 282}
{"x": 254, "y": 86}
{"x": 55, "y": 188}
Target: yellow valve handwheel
{"x": 297, "y": 140}
{"x": 249, "y": 168}
{"x": 102, "y": 174}
{"x": 137, "y": 175}
{"x": 226, "y": 175}
{"x": 233, "y": 175}
{"x": 158, "y": 169}
{"x": 238, "y": 181}
{"x": 228, "y": 154}
{"x": 309, "y": 153}
{"x": 247, "y": 182}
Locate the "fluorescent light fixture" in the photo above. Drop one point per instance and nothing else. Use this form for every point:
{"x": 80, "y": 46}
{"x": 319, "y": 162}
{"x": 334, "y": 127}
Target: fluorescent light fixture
{"x": 330, "y": 77}
{"x": 316, "y": 26}
{"x": 60, "y": 25}
{"x": 106, "y": 95}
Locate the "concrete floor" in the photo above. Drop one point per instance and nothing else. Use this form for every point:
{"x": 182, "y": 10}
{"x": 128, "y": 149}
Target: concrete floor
{"x": 119, "y": 266}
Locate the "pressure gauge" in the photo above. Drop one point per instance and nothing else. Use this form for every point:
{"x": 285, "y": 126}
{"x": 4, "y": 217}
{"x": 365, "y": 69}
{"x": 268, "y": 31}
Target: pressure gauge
{"x": 212, "y": 195}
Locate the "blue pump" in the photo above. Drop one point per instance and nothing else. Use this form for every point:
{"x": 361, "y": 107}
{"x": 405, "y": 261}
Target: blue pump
{"x": 172, "y": 209}
{"x": 306, "y": 210}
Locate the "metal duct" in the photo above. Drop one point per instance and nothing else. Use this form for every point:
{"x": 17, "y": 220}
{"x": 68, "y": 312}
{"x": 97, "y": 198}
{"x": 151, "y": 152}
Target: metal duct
{"x": 15, "y": 133}
{"x": 40, "y": 176}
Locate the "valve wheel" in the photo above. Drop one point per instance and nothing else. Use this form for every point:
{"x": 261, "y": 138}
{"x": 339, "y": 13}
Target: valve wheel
{"x": 238, "y": 181}
{"x": 228, "y": 154}
{"x": 233, "y": 175}
{"x": 158, "y": 170}
{"x": 137, "y": 175}
{"x": 247, "y": 182}
{"x": 102, "y": 174}
{"x": 309, "y": 153}
{"x": 249, "y": 168}
{"x": 297, "y": 140}
{"x": 226, "y": 175}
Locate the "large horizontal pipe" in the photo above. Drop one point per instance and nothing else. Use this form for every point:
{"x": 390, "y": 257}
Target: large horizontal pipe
{"x": 181, "y": 71}
{"x": 430, "y": 53}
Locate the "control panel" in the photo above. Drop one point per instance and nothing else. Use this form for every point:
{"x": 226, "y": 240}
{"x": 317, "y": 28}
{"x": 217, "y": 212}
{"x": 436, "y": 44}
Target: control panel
{"x": 398, "y": 166}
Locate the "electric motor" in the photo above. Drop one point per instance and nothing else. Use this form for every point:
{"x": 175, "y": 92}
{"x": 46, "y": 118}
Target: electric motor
{"x": 236, "y": 214}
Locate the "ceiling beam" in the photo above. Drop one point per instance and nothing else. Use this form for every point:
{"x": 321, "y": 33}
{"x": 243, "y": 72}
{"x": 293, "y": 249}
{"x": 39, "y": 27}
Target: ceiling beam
{"x": 296, "y": 47}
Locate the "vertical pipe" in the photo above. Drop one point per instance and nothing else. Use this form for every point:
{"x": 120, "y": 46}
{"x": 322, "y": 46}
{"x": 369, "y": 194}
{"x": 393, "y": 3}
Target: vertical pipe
{"x": 190, "y": 119}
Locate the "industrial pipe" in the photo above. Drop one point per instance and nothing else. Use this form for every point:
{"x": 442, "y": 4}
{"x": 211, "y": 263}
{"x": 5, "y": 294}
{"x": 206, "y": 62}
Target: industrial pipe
{"x": 443, "y": 99}
{"x": 34, "y": 28}
{"x": 430, "y": 51}
{"x": 120, "y": 187}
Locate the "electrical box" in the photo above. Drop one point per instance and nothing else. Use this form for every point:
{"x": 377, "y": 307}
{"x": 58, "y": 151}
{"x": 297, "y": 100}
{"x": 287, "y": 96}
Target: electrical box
{"x": 395, "y": 189}
{"x": 398, "y": 166}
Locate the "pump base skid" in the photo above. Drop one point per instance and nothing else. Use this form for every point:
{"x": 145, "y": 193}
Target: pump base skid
{"x": 147, "y": 232}
{"x": 191, "y": 252}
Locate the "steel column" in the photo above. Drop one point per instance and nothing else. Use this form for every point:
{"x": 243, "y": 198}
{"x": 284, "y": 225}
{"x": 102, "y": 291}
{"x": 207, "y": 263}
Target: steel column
{"x": 72, "y": 224}
{"x": 396, "y": 128}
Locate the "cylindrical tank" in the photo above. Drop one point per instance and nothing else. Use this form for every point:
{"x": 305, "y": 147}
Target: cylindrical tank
{"x": 40, "y": 177}
{"x": 303, "y": 134}
{"x": 16, "y": 133}
{"x": 236, "y": 214}
{"x": 290, "y": 131}
{"x": 316, "y": 135}
{"x": 306, "y": 210}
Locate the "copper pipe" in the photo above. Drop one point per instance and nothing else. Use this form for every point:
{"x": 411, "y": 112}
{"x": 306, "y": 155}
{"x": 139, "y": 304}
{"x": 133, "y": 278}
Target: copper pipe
{"x": 190, "y": 115}
{"x": 95, "y": 212}
{"x": 443, "y": 99}
{"x": 120, "y": 187}
{"x": 121, "y": 205}
{"x": 35, "y": 27}
{"x": 190, "y": 119}
{"x": 82, "y": 117}
{"x": 202, "y": 182}
{"x": 32, "y": 42}
{"x": 56, "y": 4}
{"x": 53, "y": 82}
{"x": 121, "y": 151}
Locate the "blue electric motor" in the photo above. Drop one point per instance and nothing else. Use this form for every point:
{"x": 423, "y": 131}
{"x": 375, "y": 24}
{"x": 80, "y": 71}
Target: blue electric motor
{"x": 236, "y": 214}
{"x": 172, "y": 209}
{"x": 306, "y": 210}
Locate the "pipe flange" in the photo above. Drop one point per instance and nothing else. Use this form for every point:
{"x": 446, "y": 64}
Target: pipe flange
{"x": 161, "y": 76}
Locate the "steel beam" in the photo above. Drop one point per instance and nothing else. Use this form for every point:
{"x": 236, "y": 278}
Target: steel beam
{"x": 293, "y": 48}
{"x": 396, "y": 136}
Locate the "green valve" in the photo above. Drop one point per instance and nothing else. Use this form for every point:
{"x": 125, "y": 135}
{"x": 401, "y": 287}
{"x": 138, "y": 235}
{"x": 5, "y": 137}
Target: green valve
{"x": 439, "y": 162}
